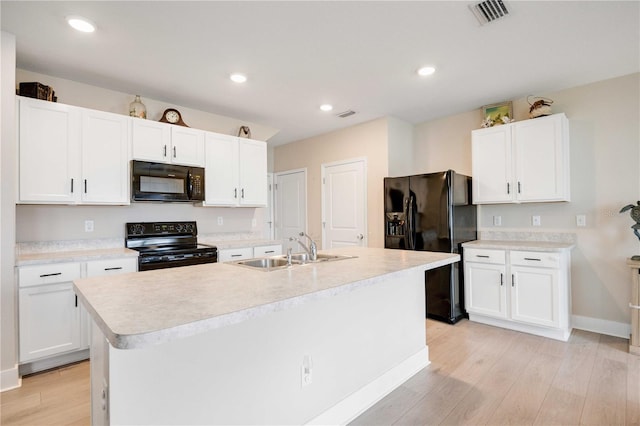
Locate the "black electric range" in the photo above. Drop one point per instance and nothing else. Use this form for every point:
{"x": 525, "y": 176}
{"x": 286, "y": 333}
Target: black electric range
{"x": 167, "y": 245}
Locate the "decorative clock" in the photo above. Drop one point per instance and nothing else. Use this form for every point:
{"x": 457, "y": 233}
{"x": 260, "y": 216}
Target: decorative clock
{"x": 172, "y": 116}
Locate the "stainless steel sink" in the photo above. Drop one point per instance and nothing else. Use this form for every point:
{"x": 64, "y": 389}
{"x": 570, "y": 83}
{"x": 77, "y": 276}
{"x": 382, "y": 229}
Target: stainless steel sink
{"x": 322, "y": 257}
{"x": 264, "y": 263}
{"x": 280, "y": 262}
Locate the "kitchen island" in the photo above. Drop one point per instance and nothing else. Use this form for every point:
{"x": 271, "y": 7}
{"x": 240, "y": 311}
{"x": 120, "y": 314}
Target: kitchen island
{"x": 224, "y": 344}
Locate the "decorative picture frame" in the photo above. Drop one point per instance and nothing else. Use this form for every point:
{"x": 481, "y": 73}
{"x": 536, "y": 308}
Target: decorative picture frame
{"x": 494, "y": 113}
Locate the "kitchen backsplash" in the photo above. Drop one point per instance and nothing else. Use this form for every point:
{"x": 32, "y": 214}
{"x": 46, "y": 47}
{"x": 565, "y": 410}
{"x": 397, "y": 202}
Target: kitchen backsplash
{"x": 551, "y": 237}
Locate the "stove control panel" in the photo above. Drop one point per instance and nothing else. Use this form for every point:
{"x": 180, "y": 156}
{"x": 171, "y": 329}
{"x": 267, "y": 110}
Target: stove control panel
{"x": 161, "y": 228}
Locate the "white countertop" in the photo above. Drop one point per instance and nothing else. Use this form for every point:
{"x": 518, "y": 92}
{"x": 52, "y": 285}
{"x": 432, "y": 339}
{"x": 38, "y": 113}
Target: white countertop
{"x": 544, "y": 246}
{"x": 26, "y": 259}
{"x": 144, "y": 308}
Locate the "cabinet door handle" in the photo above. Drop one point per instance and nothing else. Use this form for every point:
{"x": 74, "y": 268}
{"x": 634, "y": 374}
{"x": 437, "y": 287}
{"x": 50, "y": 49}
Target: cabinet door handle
{"x": 235, "y": 192}
{"x": 242, "y": 193}
{"x": 508, "y": 188}
{"x": 174, "y": 152}
{"x": 519, "y": 191}
{"x": 501, "y": 279}
{"x": 50, "y": 275}
{"x": 513, "y": 281}
{"x": 72, "y": 185}
{"x": 115, "y": 268}
{"x": 76, "y": 300}
{"x": 85, "y": 186}
{"x": 165, "y": 151}
{"x": 482, "y": 255}
{"x": 532, "y": 258}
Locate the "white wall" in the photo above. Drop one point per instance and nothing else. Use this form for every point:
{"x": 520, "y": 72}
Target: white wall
{"x": 369, "y": 140}
{"x": 605, "y": 153}
{"x": 9, "y": 343}
{"x": 400, "y": 146}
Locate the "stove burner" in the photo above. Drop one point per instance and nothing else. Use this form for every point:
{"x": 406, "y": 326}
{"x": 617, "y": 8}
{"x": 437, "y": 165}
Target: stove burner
{"x": 167, "y": 245}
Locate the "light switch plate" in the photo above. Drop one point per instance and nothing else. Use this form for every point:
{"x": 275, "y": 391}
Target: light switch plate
{"x": 581, "y": 220}
{"x": 88, "y": 226}
{"x": 497, "y": 221}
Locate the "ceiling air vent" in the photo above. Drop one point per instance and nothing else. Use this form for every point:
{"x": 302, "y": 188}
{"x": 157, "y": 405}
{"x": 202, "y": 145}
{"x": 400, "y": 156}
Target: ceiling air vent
{"x": 489, "y": 11}
{"x": 345, "y": 114}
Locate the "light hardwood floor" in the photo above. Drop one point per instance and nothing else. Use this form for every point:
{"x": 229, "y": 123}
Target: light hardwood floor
{"x": 482, "y": 375}
{"x": 478, "y": 375}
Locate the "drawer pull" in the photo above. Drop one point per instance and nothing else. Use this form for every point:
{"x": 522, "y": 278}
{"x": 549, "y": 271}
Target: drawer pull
{"x": 634, "y": 306}
{"x": 532, "y": 258}
{"x": 269, "y": 251}
{"x": 482, "y": 255}
{"x": 50, "y": 275}
{"x": 115, "y": 268}
{"x": 236, "y": 255}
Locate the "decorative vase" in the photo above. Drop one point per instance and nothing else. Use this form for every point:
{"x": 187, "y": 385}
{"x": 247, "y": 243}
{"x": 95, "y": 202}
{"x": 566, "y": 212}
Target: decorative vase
{"x": 137, "y": 108}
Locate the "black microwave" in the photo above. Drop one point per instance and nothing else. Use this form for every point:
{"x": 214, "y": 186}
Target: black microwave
{"x": 166, "y": 182}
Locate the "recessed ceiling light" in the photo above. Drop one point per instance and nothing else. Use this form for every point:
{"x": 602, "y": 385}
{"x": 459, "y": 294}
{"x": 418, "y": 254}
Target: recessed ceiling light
{"x": 326, "y": 107}
{"x": 238, "y": 78}
{"x": 424, "y": 71}
{"x": 81, "y": 24}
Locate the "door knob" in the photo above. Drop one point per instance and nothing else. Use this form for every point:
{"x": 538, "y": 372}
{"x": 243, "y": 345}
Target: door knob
{"x": 360, "y": 237}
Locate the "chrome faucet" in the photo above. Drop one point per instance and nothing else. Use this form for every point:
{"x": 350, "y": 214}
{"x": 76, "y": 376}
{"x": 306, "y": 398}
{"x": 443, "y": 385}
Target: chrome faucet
{"x": 312, "y": 250}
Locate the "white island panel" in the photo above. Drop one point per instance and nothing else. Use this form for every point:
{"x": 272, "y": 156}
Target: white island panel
{"x": 226, "y": 345}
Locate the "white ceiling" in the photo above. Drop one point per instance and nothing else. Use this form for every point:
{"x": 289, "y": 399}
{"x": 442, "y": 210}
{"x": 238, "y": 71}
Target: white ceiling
{"x": 354, "y": 55}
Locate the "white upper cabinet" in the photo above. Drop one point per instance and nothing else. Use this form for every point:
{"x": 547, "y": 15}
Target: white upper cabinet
{"x": 72, "y": 155}
{"x": 221, "y": 174}
{"x": 525, "y": 161}
{"x": 253, "y": 173}
{"x": 167, "y": 143}
{"x": 236, "y": 171}
{"x": 105, "y": 158}
{"x": 49, "y": 150}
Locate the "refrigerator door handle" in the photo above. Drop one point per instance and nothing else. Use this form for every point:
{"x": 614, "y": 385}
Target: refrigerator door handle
{"x": 411, "y": 220}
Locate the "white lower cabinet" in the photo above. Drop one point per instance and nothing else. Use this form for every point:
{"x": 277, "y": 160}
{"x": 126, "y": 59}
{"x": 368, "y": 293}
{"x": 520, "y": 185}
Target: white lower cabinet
{"x": 240, "y": 253}
{"x": 51, "y": 319}
{"x": 49, "y": 314}
{"x": 523, "y": 290}
{"x": 270, "y": 250}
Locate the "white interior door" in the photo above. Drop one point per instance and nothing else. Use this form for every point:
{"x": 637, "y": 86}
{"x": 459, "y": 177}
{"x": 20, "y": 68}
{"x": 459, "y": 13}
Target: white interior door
{"x": 290, "y": 206}
{"x": 344, "y": 204}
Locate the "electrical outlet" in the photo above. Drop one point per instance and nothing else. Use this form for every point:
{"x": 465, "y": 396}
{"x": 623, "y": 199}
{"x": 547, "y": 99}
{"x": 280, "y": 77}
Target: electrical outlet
{"x": 220, "y": 221}
{"x": 497, "y": 221}
{"x": 306, "y": 371}
{"x": 535, "y": 220}
{"x": 88, "y": 226}
{"x": 581, "y": 220}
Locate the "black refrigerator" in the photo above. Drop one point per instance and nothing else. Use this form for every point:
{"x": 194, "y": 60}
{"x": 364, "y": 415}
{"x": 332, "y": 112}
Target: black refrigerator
{"x": 433, "y": 212}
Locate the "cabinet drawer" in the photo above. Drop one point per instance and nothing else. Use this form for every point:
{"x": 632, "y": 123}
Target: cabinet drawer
{"x": 272, "y": 250}
{"x": 535, "y": 258}
{"x": 111, "y": 266}
{"x": 484, "y": 256}
{"x": 29, "y": 276}
{"x": 235, "y": 254}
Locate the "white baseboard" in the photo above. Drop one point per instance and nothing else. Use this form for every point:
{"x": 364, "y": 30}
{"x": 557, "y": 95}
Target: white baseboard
{"x": 358, "y": 402}
{"x": 10, "y": 379}
{"x": 597, "y": 325}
